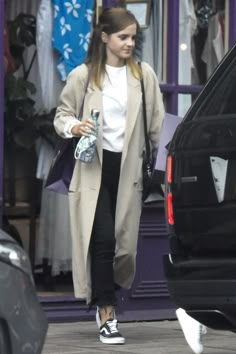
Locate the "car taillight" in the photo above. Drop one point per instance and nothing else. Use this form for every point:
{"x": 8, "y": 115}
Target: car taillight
{"x": 170, "y": 214}
{"x": 170, "y": 209}
{"x": 169, "y": 169}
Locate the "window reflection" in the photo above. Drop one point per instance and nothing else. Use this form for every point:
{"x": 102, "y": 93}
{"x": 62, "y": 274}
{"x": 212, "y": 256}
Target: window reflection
{"x": 221, "y": 100}
{"x": 153, "y": 39}
{"x": 184, "y": 103}
{"x": 224, "y": 177}
{"x": 219, "y": 168}
{"x": 201, "y": 39}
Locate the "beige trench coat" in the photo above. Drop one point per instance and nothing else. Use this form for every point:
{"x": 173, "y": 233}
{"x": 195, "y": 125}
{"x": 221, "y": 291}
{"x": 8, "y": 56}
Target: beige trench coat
{"x": 86, "y": 179}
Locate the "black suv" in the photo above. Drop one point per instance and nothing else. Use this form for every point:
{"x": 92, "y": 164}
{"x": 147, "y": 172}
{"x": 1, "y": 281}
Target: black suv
{"x": 201, "y": 203}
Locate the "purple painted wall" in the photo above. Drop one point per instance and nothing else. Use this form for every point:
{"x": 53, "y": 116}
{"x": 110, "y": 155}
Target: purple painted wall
{"x": 109, "y": 3}
{"x": 172, "y": 52}
{"x": 1, "y": 105}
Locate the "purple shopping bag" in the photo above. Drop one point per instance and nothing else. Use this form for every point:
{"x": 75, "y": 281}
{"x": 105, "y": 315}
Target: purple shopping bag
{"x": 62, "y": 167}
{"x": 168, "y": 128}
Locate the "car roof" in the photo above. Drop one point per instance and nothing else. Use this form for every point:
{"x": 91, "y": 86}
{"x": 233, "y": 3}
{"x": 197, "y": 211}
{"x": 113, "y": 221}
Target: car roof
{"x": 5, "y": 237}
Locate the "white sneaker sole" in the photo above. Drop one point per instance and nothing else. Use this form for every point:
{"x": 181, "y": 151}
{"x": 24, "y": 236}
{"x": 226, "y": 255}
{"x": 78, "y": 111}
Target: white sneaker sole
{"x": 118, "y": 340}
{"x": 192, "y": 331}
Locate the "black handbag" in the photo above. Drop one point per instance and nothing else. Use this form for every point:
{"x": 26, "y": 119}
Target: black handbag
{"x": 62, "y": 166}
{"x": 152, "y": 190}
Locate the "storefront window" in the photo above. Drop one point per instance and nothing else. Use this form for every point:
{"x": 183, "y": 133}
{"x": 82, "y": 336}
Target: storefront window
{"x": 202, "y": 38}
{"x": 154, "y": 39}
{"x": 184, "y": 103}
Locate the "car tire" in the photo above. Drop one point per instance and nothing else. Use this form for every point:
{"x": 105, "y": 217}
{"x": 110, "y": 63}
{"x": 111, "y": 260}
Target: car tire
{"x": 5, "y": 346}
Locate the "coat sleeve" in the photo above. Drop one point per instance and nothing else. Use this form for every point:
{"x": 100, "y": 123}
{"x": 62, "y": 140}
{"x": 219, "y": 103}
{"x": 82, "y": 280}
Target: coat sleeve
{"x": 154, "y": 104}
{"x": 71, "y": 99}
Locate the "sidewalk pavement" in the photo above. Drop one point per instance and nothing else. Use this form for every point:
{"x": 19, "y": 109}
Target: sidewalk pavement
{"x": 159, "y": 337}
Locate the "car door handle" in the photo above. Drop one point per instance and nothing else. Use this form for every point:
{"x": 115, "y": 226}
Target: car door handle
{"x": 189, "y": 179}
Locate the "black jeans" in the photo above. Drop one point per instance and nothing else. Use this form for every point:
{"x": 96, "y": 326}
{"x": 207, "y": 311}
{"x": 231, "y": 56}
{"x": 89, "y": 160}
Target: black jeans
{"x": 102, "y": 245}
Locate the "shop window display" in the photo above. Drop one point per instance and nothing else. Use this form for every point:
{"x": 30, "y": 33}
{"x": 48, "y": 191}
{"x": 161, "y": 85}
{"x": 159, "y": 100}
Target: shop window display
{"x": 201, "y": 39}
{"x": 198, "y": 22}
{"x": 202, "y": 43}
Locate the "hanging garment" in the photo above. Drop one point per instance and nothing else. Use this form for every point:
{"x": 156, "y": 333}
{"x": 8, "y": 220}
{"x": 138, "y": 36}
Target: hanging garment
{"x": 214, "y": 46}
{"x": 51, "y": 84}
{"x": 187, "y": 28}
{"x": 71, "y": 32}
{"x": 152, "y": 40}
{"x": 54, "y": 237}
{"x": 12, "y": 10}
{"x": 54, "y": 221}
{"x": 15, "y": 7}
{"x": 8, "y": 58}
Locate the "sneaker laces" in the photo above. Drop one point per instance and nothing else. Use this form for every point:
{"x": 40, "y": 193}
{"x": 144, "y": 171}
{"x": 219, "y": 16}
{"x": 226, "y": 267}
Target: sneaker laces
{"x": 113, "y": 326}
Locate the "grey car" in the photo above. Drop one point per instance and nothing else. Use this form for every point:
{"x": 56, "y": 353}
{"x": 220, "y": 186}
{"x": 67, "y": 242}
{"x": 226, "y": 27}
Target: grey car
{"x": 23, "y": 324}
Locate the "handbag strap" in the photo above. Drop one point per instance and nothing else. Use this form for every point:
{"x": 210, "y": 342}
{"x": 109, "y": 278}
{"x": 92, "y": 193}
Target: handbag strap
{"x": 144, "y": 115}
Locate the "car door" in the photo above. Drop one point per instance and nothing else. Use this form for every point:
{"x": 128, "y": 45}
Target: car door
{"x": 201, "y": 198}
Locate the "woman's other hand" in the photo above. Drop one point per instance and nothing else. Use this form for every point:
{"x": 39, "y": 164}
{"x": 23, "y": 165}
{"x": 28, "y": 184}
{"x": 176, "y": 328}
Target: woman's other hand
{"x": 86, "y": 128}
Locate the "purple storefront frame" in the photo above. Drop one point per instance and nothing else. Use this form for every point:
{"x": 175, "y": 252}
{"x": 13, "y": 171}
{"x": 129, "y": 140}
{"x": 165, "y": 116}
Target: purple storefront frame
{"x": 109, "y": 3}
{"x": 1, "y": 105}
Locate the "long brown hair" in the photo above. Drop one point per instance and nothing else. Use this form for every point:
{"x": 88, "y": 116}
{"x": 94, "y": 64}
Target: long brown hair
{"x": 111, "y": 20}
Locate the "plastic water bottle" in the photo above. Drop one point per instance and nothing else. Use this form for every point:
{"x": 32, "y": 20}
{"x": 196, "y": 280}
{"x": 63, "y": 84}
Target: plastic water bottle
{"x": 86, "y": 146}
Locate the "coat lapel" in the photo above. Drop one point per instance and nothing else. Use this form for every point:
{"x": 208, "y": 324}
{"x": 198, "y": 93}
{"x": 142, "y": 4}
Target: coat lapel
{"x": 134, "y": 102}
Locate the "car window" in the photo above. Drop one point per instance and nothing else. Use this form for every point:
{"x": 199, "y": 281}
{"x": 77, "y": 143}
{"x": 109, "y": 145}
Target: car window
{"x": 222, "y": 99}
{"x": 204, "y": 167}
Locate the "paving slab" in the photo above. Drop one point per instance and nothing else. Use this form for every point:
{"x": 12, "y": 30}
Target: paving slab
{"x": 159, "y": 337}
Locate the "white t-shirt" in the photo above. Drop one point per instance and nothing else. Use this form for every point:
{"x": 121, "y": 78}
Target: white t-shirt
{"x": 114, "y": 95}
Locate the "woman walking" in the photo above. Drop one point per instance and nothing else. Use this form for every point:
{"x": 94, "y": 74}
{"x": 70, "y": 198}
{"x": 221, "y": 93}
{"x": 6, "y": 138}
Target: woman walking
{"x": 106, "y": 195}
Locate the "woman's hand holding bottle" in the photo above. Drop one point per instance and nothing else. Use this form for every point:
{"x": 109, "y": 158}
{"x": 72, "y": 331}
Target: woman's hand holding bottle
{"x": 84, "y": 128}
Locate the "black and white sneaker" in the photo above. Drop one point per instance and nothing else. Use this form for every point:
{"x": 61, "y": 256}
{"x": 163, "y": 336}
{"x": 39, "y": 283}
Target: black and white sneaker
{"x": 109, "y": 333}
